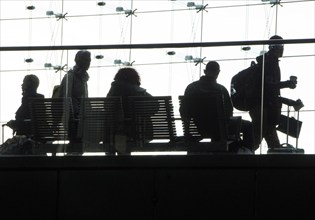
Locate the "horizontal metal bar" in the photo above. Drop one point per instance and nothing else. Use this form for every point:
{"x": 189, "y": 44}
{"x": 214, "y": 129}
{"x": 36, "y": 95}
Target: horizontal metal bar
{"x": 158, "y": 45}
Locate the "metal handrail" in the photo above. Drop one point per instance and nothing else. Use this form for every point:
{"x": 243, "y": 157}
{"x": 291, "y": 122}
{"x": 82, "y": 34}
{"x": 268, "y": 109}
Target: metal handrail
{"x": 159, "y": 45}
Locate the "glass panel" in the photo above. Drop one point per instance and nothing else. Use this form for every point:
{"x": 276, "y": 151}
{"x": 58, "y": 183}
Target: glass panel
{"x": 164, "y": 71}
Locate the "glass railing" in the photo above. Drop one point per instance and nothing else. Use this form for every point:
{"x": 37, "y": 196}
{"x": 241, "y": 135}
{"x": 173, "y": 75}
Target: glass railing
{"x": 169, "y": 43}
{"x": 168, "y": 76}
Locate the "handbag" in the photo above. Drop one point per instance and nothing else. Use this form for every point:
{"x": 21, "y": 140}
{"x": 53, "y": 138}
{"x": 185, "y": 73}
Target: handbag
{"x": 289, "y": 126}
{"x": 17, "y": 145}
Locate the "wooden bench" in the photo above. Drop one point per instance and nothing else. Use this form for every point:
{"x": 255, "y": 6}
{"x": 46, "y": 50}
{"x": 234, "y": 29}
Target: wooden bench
{"x": 150, "y": 123}
{"x": 100, "y": 123}
{"x": 52, "y": 120}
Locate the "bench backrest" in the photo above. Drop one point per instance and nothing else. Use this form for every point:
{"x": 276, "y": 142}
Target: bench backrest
{"x": 100, "y": 119}
{"x": 151, "y": 118}
{"x": 207, "y": 117}
{"x": 50, "y": 118}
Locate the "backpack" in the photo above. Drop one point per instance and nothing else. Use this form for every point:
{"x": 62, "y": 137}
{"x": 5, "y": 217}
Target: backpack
{"x": 17, "y": 145}
{"x": 245, "y": 87}
{"x": 56, "y": 91}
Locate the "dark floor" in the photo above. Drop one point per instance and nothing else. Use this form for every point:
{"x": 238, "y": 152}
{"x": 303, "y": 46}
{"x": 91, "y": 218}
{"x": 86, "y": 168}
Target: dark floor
{"x": 217, "y": 186}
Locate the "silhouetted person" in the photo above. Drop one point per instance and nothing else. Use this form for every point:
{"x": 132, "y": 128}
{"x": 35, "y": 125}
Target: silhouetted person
{"x": 127, "y": 83}
{"x": 74, "y": 85}
{"x": 207, "y": 86}
{"x": 271, "y": 93}
{"x": 29, "y": 90}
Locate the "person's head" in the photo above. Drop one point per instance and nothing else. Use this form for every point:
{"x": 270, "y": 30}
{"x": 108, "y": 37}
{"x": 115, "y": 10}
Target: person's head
{"x": 128, "y": 75}
{"x": 30, "y": 83}
{"x": 274, "y": 48}
{"x": 83, "y": 59}
{"x": 212, "y": 69}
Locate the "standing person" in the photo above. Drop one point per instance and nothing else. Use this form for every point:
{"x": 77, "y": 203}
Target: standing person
{"x": 207, "y": 85}
{"x": 29, "y": 90}
{"x": 271, "y": 93}
{"x": 74, "y": 85}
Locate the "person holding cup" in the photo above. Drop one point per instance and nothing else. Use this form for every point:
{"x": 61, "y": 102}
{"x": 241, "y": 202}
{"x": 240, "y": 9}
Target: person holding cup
{"x": 270, "y": 113}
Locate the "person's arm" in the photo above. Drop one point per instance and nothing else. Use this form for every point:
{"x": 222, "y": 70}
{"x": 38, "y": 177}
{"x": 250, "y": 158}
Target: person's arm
{"x": 62, "y": 89}
{"x": 297, "y": 104}
{"x": 287, "y": 84}
{"x": 183, "y": 109}
{"x": 184, "y": 112}
{"x": 12, "y": 124}
{"x": 184, "y": 116}
{"x": 227, "y": 103}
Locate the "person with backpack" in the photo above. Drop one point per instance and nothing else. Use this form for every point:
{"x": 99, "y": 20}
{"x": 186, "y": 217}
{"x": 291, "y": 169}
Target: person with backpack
{"x": 271, "y": 96}
{"x": 74, "y": 85}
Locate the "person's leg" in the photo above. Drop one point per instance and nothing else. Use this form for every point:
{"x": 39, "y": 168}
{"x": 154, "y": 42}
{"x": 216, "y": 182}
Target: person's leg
{"x": 248, "y": 135}
{"x": 256, "y": 124}
{"x": 75, "y": 143}
{"x": 271, "y": 137}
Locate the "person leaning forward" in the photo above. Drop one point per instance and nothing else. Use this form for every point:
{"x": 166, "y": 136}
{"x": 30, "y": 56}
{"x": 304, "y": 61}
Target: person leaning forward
{"x": 207, "y": 84}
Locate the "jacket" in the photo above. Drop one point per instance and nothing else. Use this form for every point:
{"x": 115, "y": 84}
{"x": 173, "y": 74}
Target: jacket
{"x": 124, "y": 90}
{"x": 74, "y": 85}
{"x": 206, "y": 85}
{"x": 272, "y": 79}
{"x": 200, "y": 104}
{"x": 23, "y": 113}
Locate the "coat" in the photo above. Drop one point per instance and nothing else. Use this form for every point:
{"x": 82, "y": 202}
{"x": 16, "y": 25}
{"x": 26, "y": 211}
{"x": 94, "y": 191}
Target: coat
{"x": 200, "y": 103}
{"x": 23, "y": 113}
{"x": 272, "y": 79}
{"x": 74, "y": 85}
{"x": 124, "y": 90}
